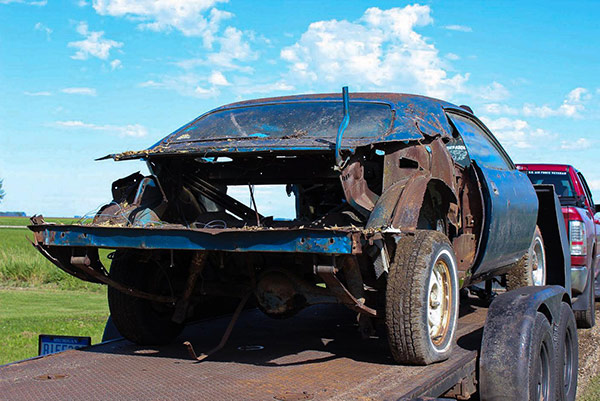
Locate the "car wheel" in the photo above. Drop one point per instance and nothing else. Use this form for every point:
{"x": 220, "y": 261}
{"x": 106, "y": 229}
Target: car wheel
{"x": 530, "y": 270}
{"x": 422, "y": 299}
{"x": 565, "y": 337}
{"x": 139, "y": 320}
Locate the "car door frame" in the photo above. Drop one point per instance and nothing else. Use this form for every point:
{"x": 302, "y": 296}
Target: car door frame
{"x": 499, "y": 247}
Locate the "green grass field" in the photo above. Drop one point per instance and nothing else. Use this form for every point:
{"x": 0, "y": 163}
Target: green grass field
{"x": 37, "y": 297}
{"x": 26, "y": 313}
{"x": 21, "y": 265}
{"x": 24, "y": 221}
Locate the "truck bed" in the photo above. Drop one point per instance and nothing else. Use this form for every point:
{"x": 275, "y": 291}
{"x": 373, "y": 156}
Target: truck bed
{"x": 317, "y": 355}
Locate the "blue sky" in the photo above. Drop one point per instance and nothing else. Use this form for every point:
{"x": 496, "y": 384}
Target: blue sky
{"x": 81, "y": 79}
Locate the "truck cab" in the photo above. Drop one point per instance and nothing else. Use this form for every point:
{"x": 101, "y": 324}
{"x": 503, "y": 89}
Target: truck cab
{"x": 579, "y": 211}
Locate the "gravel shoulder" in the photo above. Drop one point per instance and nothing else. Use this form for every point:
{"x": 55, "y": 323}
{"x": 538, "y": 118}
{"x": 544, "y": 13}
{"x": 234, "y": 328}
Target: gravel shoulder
{"x": 589, "y": 354}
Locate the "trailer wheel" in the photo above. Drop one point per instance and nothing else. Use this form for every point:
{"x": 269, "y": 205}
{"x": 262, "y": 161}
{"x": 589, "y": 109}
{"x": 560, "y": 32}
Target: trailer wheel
{"x": 586, "y": 319}
{"x": 139, "y": 320}
{"x": 531, "y": 268}
{"x": 565, "y": 337}
{"x": 422, "y": 299}
{"x": 518, "y": 365}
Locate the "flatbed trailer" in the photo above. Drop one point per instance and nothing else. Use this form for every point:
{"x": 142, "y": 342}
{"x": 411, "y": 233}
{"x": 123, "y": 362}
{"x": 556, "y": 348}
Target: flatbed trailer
{"x": 513, "y": 349}
{"x": 313, "y": 356}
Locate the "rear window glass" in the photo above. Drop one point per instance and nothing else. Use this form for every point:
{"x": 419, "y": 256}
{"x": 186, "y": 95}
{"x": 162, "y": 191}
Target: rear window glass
{"x": 289, "y": 120}
{"x": 560, "y": 179}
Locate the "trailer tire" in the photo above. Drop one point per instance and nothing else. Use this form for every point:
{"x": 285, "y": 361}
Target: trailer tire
{"x": 422, "y": 299}
{"x": 565, "y": 338}
{"x": 586, "y": 319}
{"x": 139, "y": 320}
{"x": 531, "y": 268}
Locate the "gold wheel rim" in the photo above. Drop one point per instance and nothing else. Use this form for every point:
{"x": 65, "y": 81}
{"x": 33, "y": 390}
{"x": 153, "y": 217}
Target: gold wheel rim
{"x": 439, "y": 302}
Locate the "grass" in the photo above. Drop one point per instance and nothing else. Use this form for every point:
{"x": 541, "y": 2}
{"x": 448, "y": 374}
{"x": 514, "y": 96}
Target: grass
{"x": 592, "y": 390}
{"x": 26, "y": 313}
{"x": 24, "y": 221}
{"x": 33, "y": 299}
{"x": 21, "y": 265}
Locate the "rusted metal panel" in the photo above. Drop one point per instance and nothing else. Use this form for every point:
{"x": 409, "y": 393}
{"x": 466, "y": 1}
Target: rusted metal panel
{"x": 406, "y": 212}
{"x": 355, "y": 188}
{"x": 323, "y": 241}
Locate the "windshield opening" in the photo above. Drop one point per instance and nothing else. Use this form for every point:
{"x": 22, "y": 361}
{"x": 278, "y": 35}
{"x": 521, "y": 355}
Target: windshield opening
{"x": 288, "y": 121}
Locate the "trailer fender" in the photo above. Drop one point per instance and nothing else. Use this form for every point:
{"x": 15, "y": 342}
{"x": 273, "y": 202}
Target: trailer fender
{"x": 504, "y": 360}
{"x": 556, "y": 244}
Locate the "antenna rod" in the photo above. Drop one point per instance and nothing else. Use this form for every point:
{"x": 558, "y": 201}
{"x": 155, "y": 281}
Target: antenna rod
{"x": 338, "y": 140}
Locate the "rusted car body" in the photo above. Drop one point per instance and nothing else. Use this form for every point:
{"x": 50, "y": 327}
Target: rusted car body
{"x": 401, "y": 164}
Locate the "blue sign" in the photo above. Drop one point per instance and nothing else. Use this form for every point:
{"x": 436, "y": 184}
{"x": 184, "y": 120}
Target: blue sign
{"x": 49, "y": 344}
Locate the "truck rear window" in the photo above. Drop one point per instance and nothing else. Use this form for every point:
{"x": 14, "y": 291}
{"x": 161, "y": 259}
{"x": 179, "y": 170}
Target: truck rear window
{"x": 560, "y": 179}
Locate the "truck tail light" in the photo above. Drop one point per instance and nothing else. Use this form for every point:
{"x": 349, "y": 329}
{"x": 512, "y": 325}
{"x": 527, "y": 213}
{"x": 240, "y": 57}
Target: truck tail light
{"x": 577, "y": 238}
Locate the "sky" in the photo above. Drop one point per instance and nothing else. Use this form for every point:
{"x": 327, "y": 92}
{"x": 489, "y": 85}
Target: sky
{"x": 83, "y": 79}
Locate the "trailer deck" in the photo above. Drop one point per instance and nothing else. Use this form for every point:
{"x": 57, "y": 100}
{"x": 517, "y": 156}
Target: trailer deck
{"x": 317, "y": 355}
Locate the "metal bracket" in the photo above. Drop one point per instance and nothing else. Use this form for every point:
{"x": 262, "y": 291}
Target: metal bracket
{"x": 226, "y": 335}
{"x": 327, "y": 273}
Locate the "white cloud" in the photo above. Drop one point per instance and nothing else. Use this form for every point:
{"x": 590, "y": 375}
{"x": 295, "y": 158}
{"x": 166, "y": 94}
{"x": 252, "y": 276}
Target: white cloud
{"x": 42, "y": 93}
{"x": 115, "y": 64}
{"x": 217, "y": 78}
{"x": 579, "y": 144}
{"x": 233, "y": 48}
{"x": 492, "y": 92}
{"x": 379, "y": 51}
{"x": 572, "y": 106}
{"x": 594, "y": 184}
{"x": 132, "y": 130}
{"x": 264, "y": 88}
{"x": 188, "y": 84}
{"x": 190, "y": 17}
{"x": 93, "y": 45}
{"x": 515, "y": 133}
{"x": 79, "y": 91}
{"x": 452, "y": 56}
{"x": 459, "y": 28}
{"x": 43, "y": 28}
{"x": 496, "y": 108}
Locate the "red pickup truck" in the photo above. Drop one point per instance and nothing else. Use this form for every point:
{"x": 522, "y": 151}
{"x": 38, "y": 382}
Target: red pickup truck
{"x": 584, "y": 231}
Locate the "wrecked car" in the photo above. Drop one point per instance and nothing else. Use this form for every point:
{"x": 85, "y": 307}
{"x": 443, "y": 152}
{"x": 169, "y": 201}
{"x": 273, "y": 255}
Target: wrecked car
{"x": 400, "y": 201}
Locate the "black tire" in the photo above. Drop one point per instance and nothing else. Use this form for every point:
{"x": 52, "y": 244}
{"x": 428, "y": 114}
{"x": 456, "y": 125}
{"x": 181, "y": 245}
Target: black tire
{"x": 139, "y": 320}
{"x": 522, "y": 273}
{"x": 518, "y": 356}
{"x": 586, "y": 319}
{"x": 542, "y": 361}
{"x": 408, "y": 297}
{"x": 567, "y": 355}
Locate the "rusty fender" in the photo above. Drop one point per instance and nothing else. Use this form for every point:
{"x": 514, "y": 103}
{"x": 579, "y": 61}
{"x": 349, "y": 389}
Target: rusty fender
{"x": 400, "y": 205}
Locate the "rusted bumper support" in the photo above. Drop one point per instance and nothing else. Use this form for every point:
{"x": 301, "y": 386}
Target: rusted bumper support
{"x": 318, "y": 241}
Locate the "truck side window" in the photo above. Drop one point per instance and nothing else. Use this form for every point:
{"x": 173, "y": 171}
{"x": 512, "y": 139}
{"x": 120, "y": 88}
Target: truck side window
{"x": 479, "y": 144}
{"x": 588, "y": 193}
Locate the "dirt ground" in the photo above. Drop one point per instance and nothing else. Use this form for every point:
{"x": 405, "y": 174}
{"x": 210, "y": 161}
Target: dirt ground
{"x": 589, "y": 353}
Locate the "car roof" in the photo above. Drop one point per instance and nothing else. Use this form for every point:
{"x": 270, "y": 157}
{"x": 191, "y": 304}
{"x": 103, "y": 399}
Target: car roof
{"x": 413, "y": 118}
